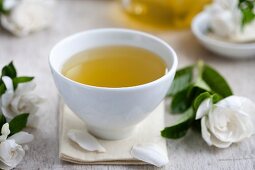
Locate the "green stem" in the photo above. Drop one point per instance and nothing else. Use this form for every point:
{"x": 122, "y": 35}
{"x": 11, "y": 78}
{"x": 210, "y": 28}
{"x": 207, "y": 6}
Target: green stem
{"x": 200, "y": 68}
{"x": 199, "y": 80}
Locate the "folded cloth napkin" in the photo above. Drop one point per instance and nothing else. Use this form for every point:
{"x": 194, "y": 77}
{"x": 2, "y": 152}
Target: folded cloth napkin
{"x": 117, "y": 152}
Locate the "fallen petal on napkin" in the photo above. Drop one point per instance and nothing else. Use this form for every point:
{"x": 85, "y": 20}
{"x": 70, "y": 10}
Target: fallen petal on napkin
{"x": 150, "y": 153}
{"x": 117, "y": 152}
{"x": 85, "y": 140}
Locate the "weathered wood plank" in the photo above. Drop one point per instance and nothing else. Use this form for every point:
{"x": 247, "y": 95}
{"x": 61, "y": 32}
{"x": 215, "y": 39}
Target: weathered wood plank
{"x": 30, "y": 54}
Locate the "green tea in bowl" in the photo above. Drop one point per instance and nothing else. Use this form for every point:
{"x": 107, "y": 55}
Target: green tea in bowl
{"x": 115, "y": 66}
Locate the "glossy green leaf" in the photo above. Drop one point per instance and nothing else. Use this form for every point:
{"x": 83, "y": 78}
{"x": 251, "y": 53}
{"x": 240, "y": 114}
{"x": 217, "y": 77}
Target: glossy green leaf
{"x": 216, "y": 98}
{"x": 18, "y": 80}
{"x": 199, "y": 99}
{"x": 216, "y": 82}
{"x": 18, "y": 123}
{"x": 9, "y": 70}
{"x": 180, "y": 102}
{"x": 182, "y": 80}
{"x": 2, "y": 121}
{"x": 2, "y": 89}
{"x": 184, "y": 99}
{"x": 194, "y": 92}
{"x": 202, "y": 84}
{"x": 180, "y": 128}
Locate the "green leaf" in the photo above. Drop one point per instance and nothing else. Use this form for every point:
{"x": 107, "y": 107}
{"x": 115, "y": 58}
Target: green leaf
{"x": 216, "y": 98}
{"x": 180, "y": 102}
{"x": 184, "y": 99}
{"x": 182, "y": 80}
{"x": 2, "y": 120}
{"x": 2, "y": 10}
{"x": 180, "y": 128}
{"x": 18, "y": 80}
{"x": 216, "y": 82}
{"x": 18, "y": 123}
{"x": 248, "y": 16}
{"x": 194, "y": 92}
{"x": 9, "y": 70}
{"x": 246, "y": 7}
{"x": 2, "y": 89}
{"x": 199, "y": 99}
{"x": 202, "y": 84}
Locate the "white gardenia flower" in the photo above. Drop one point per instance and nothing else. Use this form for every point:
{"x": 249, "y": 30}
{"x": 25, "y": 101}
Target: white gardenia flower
{"x": 27, "y": 16}
{"x": 22, "y": 100}
{"x": 228, "y": 121}
{"x": 11, "y": 152}
{"x": 224, "y": 17}
{"x": 227, "y": 4}
{"x": 225, "y": 20}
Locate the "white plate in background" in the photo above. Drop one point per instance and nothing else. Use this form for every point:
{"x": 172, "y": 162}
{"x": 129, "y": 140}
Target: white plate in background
{"x": 218, "y": 46}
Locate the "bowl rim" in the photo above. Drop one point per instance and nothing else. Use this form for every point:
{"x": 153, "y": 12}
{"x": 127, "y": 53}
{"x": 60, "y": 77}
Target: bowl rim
{"x": 202, "y": 17}
{"x": 170, "y": 72}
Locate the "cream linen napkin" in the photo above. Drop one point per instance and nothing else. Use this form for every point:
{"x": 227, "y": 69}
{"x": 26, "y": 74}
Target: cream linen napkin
{"x": 117, "y": 152}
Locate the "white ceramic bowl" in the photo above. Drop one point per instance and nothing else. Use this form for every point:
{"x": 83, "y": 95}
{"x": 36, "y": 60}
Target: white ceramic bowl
{"x": 224, "y": 48}
{"x": 111, "y": 113}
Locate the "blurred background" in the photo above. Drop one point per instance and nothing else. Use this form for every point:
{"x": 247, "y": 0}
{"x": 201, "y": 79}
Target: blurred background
{"x": 161, "y": 14}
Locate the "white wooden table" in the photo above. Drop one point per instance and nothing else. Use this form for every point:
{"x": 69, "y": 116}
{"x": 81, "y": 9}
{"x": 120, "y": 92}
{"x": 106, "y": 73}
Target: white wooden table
{"x": 30, "y": 55}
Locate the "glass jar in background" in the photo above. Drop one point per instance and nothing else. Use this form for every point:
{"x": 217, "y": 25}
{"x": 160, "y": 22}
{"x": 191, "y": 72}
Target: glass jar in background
{"x": 164, "y": 13}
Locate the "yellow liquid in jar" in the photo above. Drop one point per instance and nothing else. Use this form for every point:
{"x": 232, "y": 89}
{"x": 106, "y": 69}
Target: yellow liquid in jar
{"x": 164, "y": 13}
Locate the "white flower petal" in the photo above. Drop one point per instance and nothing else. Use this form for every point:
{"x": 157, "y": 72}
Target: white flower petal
{"x": 227, "y": 4}
{"x": 26, "y": 147}
{"x": 25, "y": 87}
{"x": 20, "y": 101}
{"x": 220, "y": 120}
{"x": 33, "y": 121}
{"x": 218, "y": 143}
{"x": 205, "y": 133}
{"x": 242, "y": 105}
{"x": 11, "y": 153}
{"x": 223, "y": 20}
{"x": 8, "y": 83}
{"x": 85, "y": 140}
{"x": 209, "y": 138}
{"x": 9, "y": 4}
{"x": 239, "y": 103}
{"x": 14, "y": 104}
{"x": 27, "y": 103}
{"x": 5, "y": 129}
{"x": 22, "y": 137}
{"x": 8, "y": 113}
{"x": 204, "y": 108}
{"x": 150, "y": 153}
{"x": 4, "y": 166}
{"x": 3, "y": 138}
{"x": 6, "y": 98}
